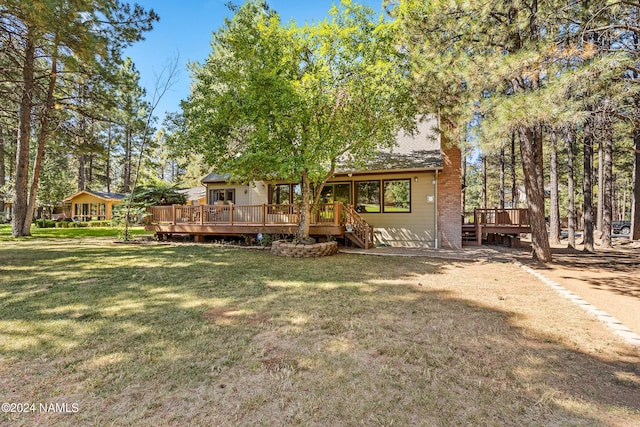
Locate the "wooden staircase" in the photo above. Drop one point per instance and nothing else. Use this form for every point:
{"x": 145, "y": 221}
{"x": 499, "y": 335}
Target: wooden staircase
{"x": 469, "y": 235}
{"x": 357, "y": 230}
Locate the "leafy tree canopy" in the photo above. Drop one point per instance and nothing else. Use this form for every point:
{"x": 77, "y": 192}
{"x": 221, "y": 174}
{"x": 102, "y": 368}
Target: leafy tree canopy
{"x": 283, "y": 101}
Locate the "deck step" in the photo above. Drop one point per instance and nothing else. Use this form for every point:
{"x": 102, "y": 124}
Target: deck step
{"x": 355, "y": 240}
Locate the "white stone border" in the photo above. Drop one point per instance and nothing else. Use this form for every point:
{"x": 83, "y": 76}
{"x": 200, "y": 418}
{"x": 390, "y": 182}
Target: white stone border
{"x": 613, "y": 323}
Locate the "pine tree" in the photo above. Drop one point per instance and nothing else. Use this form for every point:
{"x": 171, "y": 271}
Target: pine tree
{"x": 47, "y": 38}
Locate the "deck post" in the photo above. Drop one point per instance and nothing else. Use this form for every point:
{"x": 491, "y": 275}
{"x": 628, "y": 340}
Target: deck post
{"x": 336, "y": 213}
{"x": 173, "y": 217}
{"x": 264, "y": 214}
{"x": 366, "y": 237}
{"x": 495, "y": 218}
{"x": 231, "y": 214}
{"x": 201, "y": 214}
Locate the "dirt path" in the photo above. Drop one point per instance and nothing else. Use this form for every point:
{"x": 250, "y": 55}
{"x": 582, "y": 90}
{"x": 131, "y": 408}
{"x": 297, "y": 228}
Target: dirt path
{"x": 608, "y": 279}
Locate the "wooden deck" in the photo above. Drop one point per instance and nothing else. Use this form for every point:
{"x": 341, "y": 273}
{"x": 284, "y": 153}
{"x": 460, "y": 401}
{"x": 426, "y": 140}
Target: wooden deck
{"x": 332, "y": 219}
{"x": 491, "y": 224}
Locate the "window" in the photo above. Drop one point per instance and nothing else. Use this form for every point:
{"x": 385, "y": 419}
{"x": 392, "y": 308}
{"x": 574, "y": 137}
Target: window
{"x": 222, "y": 195}
{"x": 283, "y": 194}
{"x": 368, "y": 196}
{"x": 340, "y": 192}
{"x": 280, "y": 194}
{"x": 397, "y": 195}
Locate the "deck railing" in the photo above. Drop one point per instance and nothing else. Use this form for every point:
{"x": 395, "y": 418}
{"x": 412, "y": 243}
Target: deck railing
{"x": 501, "y": 217}
{"x": 265, "y": 214}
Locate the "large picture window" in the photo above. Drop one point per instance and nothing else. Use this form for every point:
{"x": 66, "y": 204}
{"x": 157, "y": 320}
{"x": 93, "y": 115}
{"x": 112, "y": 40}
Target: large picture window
{"x": 397, "y": 195}
{"x": 368, "y": 196}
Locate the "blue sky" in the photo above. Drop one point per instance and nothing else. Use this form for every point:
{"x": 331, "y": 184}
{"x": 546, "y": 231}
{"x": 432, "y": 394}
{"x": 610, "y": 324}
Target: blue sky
{"x": 185, "y": 29}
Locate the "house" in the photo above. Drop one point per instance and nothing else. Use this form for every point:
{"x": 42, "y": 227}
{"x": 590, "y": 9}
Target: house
{"x": 195, "y": 195}
{"x": 410, "y": 194}
{"x": 87, "y": 205}
{"x": 6, "y": 212}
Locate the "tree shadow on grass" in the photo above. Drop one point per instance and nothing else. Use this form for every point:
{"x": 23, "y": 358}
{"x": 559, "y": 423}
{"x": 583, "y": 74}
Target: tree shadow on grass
{"x": 614, "y": 270}
{"x": 244, "y": 338}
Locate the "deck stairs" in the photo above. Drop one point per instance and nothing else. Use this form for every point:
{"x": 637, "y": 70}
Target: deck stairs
{"x": 469, "y": 235}
{"x": 357, "y": 230}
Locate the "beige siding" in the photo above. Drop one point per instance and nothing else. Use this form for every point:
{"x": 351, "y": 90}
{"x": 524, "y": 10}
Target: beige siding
{"x": 255, "y": 194}
{"x": 416, "y": 228}
{"x": 259, "y": 193}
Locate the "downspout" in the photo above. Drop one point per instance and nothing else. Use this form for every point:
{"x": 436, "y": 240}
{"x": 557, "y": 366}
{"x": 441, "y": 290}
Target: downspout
{"x": 435, "y": 207}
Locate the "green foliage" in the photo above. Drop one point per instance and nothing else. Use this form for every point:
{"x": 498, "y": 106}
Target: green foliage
{"x": 44, "y": 223}
{"x": 282, "y": 101}
{"x": 157, "y": 194}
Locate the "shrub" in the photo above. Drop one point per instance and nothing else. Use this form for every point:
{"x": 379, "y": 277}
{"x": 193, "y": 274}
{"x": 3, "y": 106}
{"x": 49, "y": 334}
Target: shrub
{"x": 100, "y": 223}
{"x": 46, "y": 223}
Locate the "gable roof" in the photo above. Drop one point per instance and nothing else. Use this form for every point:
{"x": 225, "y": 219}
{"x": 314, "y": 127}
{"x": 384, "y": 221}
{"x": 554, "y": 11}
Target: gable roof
{"x": 418, "y": 151}
{"x": 215, "y": 177}
{"x": 412, "y": 152}
{"x": 100, "y": 194}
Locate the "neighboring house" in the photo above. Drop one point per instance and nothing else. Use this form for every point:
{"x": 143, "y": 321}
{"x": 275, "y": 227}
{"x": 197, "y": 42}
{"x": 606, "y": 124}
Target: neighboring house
{"x": 411, "y": 194}
{"x": 195, "y": 195}
{"x": 90, "y": 205}
{"x": 7, "y": 212}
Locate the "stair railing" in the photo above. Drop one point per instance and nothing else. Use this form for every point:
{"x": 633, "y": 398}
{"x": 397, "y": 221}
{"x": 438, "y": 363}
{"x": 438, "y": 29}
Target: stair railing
{"x": 356, "y": 225}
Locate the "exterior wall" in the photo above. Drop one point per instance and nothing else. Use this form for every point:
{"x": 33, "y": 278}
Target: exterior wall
{"x": 255, "y": 194}
{"x": 450, "y": 199}
{"x": 89, "y": 198}
{"x": 200, "y": 201}
{"x": 413, "y": 229}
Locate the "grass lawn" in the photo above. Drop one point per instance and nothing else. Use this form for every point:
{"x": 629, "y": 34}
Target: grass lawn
{"x": 159, "y": 335}
{"x": 71, "y": 233}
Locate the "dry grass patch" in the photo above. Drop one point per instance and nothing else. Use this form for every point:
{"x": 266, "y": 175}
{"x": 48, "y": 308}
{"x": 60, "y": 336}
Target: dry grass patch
{"x": 194, "y": 335}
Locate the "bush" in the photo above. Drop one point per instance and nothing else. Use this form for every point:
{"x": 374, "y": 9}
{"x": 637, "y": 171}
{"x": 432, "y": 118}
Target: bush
{"x": 47, "y": 223}
{"x": 99, "y": 223}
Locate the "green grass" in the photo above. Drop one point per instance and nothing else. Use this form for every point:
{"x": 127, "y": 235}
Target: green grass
{"x": 154, "y": 334}
{"x": 70, "y": 233}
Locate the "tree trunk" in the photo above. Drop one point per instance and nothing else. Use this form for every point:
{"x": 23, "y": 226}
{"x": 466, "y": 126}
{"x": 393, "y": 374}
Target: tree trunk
{"x": 305, "y": 208}
{"x": 531, "y": 152}
{"x": 587, "y": 188}
{"x": 635, "y": 192}
{"x": 514, "y": 189}
{"x": 126, "y": 181}
{"x": 107, "y": 171}
{"x": 484, "y": 181}
{"x": 464, "y": 180}
{"x": 623, "y": 206}
{"x": 42, "y": 138}
{"x": 502, "y": 177}
{"x": 571, "y": 189}
{"x": 2, "y": 169}
{"x": 20, "y": 220}
{"x": 600, "y": 207}
{"x": 554, "y": 210}
{"x": 607, "y": 188}
{"x": 81, "y": 174}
